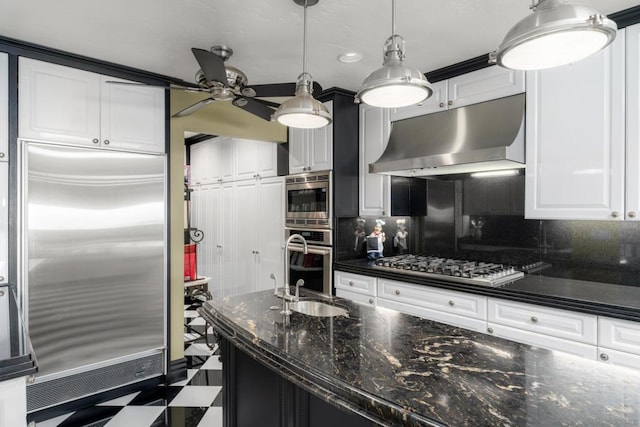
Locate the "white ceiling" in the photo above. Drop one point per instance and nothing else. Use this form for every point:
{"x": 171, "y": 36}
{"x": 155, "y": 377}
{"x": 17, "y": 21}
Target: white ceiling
{"x": 156, "y": 35}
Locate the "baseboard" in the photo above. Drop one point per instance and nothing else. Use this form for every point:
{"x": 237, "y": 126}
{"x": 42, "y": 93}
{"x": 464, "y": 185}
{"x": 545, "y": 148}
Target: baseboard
{"x": 177, "y": 371}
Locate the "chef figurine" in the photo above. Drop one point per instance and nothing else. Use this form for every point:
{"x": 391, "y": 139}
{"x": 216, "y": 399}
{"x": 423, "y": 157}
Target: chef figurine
{"x": 375, "y": 242}
{"x": 359, "y": 235}
{"x": 400, "y": 239}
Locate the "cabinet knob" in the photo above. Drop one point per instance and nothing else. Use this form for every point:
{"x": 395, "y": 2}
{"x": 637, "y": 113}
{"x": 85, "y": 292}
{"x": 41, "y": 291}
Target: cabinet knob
{"x": 219, "y": 246}
{"x": 106, "y": 142}
{"x": 384, "y": 213}
{"x": 397, "y": 292}
{"x": 1, "y": 278}
{"x": 451, "y": 303}
{"x": 441, "y": 104}
{"x": 370, "y": 300}
{"x": 631, "y": 214}
{"x": 1, "y": 155}
{"x": 604, "y": 356}
{"x": 534, "y": 319}
{"x": 450, "y": 103}
{"x": 615, "y": 214}
{"x": 1, "y": 293}
{"x": 257, "y": 252}
{"x": 490, "y": 330}
{"x": 350, "y": 283}
{"x": 95, "y": 140}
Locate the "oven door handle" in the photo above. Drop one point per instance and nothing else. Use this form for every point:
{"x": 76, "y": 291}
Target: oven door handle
{"x": 317, "y": 250}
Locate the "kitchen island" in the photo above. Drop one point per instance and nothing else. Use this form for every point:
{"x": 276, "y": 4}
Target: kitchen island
{"x": 381, "y": 367}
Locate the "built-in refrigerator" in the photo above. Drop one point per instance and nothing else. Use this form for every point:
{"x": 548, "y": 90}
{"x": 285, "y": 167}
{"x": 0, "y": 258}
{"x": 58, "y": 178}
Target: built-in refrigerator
{"x": 91, "y": 273}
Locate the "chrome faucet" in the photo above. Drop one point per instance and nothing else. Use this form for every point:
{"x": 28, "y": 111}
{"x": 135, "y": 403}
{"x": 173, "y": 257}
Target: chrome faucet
{"x": 305, "y": 250}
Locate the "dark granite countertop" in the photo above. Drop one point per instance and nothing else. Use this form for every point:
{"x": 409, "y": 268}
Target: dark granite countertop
{"x": 579, "y": 295}
{"x": 397, "y": 369}
{"x": 16, "y": 355}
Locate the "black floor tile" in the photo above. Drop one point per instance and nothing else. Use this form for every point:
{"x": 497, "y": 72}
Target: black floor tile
{"x": 94, "y": 416}
{"x": 218, "y": 400}
{"x": 207, "y": 377}
{"x": 178, "y": 416}
{"x": 195, "y": 362}
{"x": 157, "y": 396}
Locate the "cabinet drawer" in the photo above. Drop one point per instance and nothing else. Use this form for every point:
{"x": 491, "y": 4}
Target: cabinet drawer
{"x": 544, "y": 341}
{"x": 618, "y": 358}
{"x": 356, "y": 297}
{"x": 439, "y": 316}
{"x": 355, "y": 283}
{"x": 618, "y": 334}
{"x": 434, "y": 298}
{"x": 549, "y": 321}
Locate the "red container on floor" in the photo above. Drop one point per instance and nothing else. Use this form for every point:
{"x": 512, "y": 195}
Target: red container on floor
{"x": 190, "y": 262}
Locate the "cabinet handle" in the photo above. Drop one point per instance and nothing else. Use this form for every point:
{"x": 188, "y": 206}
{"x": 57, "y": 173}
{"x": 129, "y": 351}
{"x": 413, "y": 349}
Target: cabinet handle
{"x": 490, "y": 330}
{"x": 95, "y": 140}
{"x": 441, "y": 104}
{"x": 257, "y": 252}
{"x": 350, "y": 283}
{"x": 370, "y": 300}
{"x": 219, "y": 246}
{"x": 1, "y": 293}
{"x": 384, "y": 213}
{"x": 451, "y": 303}
{"x": 106, "y": 142}
{"x": 1, "y": 278}
{"x": 604, "y": 356}
{"x": 397, "y": 292}
{"x": 450, "y": 103}
{"x": 632, "y": 214}
{"x": 615, "y": 214}
{"x": 534, "y": 319}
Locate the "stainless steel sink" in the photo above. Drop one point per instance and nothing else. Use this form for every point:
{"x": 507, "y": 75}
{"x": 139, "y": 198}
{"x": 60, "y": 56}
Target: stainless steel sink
{"x": 318, "y": 309}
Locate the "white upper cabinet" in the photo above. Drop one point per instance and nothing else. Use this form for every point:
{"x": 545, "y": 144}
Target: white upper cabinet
{"x": 632, "y": 211}
{"x": 375, "y": 189}
{"x": 255, "y": 159}
{"x": 4, "y": 222}
{"x": 4, "y": 107}
{"x": 63, "y": 104}
{"x": 575, "y": 137}
{"x": 311, "y": 149}
{"x": 470, "y": 88}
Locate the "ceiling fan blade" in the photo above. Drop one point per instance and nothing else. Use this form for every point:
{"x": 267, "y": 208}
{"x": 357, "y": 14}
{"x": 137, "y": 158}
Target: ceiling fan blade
{"x": 193, "y": 108}
{"x": 255, "y": 107}
{"x": 280, "y": 89}
{"x": 117, "y": 82}
{"x": 211, "y": 65}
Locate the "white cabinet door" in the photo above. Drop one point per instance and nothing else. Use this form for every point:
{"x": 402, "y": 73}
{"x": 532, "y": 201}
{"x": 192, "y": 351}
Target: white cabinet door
{"x": 356, "y": 297}
{"x": 436, "y": 102}
{"x": 245, "y": 158}
{"x": 203, "y": 163}
{"x": 267, "y": 159}
{"x": 619, "y": 358}
{"x": 470, "y": 323}
{"x": 4, "y": 222}
{"x": 575, "y": 138}
{"x": 226, "y": 240}
{"x": 4, "y": 107}
{"x": 225, "y": 153}
{"x": 483, "y": 85}
{"x": 375, "y": 189}
{"x": 632, "y": 211}
{"x": 298, "y": 147}
{"x": 58, "y": 104}
{"x": 270, "y": 231}
{"x": 132, "y": 117}
{"x": 246, "y": 237}
{"x": 320, "y": 149}
{"x": 619, "y": 334}
{"x": 355, "y": 283}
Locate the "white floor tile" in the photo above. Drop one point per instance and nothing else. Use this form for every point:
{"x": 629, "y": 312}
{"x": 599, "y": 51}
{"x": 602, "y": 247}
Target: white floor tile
{"x": 212, "y": 418}
{"x": 198, "y": 349}
{"x": 54, "y": 422}
{"x": 135, "y": 416}
{"x": 212, "y": 363}
{"x": 196, "y": 396}
{"x": 121, "y": 401}
{"x": 190, "y": 314}
{"x": 198, "y": 321}
{"x": 190, "y": 374}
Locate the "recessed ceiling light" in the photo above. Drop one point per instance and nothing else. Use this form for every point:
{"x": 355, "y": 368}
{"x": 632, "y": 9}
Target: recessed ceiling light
{"x": 350, "y": 57}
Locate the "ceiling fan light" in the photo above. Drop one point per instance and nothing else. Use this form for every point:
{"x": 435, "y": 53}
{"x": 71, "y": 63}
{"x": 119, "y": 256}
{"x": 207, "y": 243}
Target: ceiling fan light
{"x": 557, "y": 33}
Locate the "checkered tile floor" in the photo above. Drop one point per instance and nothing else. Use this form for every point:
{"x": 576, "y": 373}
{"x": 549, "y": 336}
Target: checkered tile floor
{"x": 194, "y": 402}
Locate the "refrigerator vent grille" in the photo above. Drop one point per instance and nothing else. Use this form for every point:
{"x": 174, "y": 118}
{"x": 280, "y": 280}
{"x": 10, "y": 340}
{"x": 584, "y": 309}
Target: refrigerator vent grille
{"x": 55, "y": 392}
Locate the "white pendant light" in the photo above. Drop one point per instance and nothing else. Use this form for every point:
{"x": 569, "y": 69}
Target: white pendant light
{"x": 303, "y": 110}
{"x": 395, "y": 84}
{"x": 557, "y": 33}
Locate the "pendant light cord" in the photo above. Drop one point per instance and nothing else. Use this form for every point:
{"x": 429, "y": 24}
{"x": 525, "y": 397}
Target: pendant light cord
{"x": 304, "y": 40}
{"x": 393, "y": 18}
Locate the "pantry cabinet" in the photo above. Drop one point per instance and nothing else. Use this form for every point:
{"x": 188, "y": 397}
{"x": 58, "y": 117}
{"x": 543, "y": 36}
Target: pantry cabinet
{"x": 470, "y": 88}
{"x": 68, "y": 105}
{"x": 4, "y": 107}
{"x": 311, "y": 149}
{"x": 575, "y": 135}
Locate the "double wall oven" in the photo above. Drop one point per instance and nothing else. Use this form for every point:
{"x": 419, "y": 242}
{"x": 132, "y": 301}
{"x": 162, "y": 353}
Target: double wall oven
{"x": 309, "y": 213}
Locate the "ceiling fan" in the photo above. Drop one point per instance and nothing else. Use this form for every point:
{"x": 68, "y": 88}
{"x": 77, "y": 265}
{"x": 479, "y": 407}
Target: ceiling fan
{"x": 228, "y": 83}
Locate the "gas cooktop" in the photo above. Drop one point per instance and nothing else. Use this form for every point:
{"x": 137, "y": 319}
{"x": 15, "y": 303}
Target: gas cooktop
{"x": 453, "y": 270}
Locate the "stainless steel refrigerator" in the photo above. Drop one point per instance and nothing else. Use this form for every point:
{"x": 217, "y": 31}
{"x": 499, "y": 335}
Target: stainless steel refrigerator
{"x": 92, "y": 232}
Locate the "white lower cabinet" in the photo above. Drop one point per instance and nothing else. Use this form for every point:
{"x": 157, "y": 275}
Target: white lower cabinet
{"x": 356, "y": 297}
{"x": 619, "y": 342}
{"x": 355, "y": 287}
{"x": 450, "y": 307}
{"x": 13, "y": 403}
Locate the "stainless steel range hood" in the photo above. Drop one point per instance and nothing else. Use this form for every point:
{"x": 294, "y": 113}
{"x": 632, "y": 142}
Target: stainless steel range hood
{"x": 479, "y": 137}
